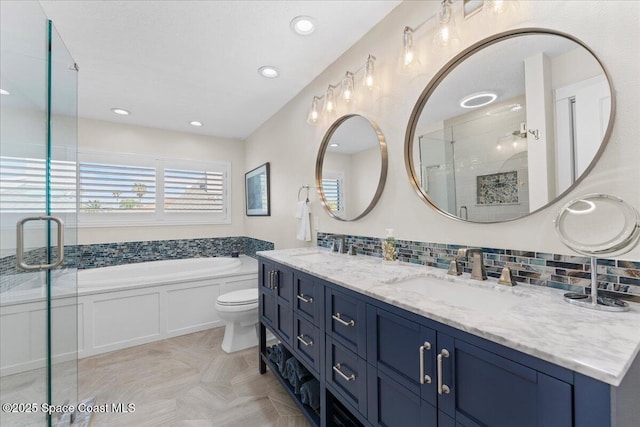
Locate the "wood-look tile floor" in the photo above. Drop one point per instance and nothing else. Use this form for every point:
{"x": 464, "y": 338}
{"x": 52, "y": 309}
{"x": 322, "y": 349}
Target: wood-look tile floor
{"x": 186, "y": 381}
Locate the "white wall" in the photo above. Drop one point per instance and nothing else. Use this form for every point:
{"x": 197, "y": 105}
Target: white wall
{"x": 96, "y": 135}
{"x": 608, "y": 27}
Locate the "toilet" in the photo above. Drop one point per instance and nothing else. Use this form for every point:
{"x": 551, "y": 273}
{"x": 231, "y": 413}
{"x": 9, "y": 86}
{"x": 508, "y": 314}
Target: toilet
{"x": 239, "y": 310}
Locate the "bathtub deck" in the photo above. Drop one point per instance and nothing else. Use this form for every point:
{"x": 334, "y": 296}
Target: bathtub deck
{"x": 187, "y": 381}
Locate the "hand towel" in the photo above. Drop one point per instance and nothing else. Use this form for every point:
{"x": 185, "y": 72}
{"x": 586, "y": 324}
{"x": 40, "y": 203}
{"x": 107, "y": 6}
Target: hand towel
{"x": 297, "y": 374}
{"x": 284, "y": 355}
{"x": 310, "y": 394}
{"x": 303, "y": 222}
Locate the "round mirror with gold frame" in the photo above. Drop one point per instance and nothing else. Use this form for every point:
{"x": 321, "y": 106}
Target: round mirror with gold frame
{"x": 509, "y": 125}
{"x": 351, "y": 167}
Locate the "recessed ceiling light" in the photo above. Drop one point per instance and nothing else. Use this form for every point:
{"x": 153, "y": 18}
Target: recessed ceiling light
{"x": 303, "y": 25}
{"x": 120, "y": 111}
{"x": 479, "y": 99}
{"x": 4, "y": 92}
{"x": 268, "y": 71}
{"x": 334, "y": 145}
{"x": 195, "y": 123}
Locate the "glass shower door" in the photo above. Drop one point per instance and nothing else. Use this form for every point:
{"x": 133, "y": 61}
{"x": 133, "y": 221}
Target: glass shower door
{"x": 38, "y": 306}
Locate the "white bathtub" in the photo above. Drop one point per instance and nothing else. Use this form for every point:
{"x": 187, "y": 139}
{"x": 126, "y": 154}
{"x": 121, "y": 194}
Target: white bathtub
{"x": 118, "y": 307}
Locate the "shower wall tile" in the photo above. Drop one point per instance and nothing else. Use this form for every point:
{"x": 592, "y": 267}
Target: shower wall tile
{"x": 568, "y": 272}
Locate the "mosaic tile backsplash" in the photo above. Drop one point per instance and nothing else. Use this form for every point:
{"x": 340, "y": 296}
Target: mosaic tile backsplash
{"x": 109, "y": 254}
{"x": 567, "y": 272}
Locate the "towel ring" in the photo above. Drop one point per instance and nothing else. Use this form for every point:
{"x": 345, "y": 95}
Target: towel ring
{"x": 304, "y": 187}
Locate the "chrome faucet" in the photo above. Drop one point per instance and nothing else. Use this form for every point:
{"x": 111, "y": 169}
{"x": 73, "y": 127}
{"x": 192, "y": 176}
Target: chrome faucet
{"x": 478, "y": 270}
{"x": 342, "y": 247}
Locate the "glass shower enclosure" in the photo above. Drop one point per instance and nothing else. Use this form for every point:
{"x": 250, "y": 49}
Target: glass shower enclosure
{"x": 38, "y": 214}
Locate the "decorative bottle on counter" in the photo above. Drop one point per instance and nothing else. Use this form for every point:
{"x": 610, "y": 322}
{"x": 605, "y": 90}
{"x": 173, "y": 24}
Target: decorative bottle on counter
{"x": 389, "y": 251}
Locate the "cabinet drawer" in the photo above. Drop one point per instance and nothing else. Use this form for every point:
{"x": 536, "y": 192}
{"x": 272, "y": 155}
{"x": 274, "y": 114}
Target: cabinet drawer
{"x": 307, "y": 343}
{"x": 308, "y": 298}
{"x": 347, "y": 374}
{"x": 345, "y": 317}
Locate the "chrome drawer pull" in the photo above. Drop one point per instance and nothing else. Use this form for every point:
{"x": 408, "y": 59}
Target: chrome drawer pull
{"x": 340, "y": 320}
{"x": 424, "y": 379}
{"x": 303, "y": 341}
{"x": 442, "y": 388}
{"x": 338, "y": 368}
{"x": 304, "y": 298}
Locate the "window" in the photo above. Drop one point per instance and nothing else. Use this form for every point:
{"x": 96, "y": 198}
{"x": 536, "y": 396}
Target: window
{"x": 23, "y": 186}
{"x": 109, "y": 188}
{"x": 119, "y": 189}
{"x": 333, "y": 189}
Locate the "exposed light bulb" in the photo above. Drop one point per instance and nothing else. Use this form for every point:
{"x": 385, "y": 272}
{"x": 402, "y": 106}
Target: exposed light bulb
{"x": 329, "y": 100}
{"x": 348, "y": 87}
{"x": 407, "y": 63}
{"x": 314, "y": 114}
{"x": 446, "y": 33}
{"x": 368, "y": 72}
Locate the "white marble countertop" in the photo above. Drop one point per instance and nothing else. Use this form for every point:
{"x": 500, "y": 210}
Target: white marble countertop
{"x": 532, "y": 319}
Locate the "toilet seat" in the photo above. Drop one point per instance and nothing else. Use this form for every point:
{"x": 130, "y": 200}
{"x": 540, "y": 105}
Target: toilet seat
{"x": 242, "y": 297}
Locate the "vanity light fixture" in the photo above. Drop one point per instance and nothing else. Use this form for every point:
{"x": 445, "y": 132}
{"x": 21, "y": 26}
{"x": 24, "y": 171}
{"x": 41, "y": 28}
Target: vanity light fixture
{"x": 348, "y": 87}
{"x": 195, "y": 123}
{"x": 446, "y": 32}
{"x": 4, "y": 92}
{"x": 478, "y": 99}
{"x": 314, "y": 113}
{"x": 303, "y": 25}
{"x": 368, "y": 72}
{"x": 347, "y": 91}
{"x": 329, "y": 100}
{"x": 268, "y": 71}
{"x": 121, "y": 111}
{"x": 407, "y": 61}
{"x": 500, "y": 7}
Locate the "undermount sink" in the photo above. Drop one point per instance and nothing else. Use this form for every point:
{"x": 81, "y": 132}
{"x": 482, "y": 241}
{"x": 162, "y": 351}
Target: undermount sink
{"x": 486, "y": 296}
{"x": 313, "y": 256}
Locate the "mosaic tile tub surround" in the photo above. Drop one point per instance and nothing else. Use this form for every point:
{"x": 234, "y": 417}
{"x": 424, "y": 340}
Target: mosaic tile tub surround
{"x": 537, "y": 268}
{"x": 109, "y": 254}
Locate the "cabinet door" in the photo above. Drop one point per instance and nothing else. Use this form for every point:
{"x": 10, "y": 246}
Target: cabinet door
{"x": 345, "y": 316}
{"x": 265, "y": 278}
{"x": 283, "y": 285}
{"x": 268, "y": 308}
{"x": 392, "y": 405}
{"x": 284, "y": 323}
{"x": 487, "y": 390}
{"x": 403, "y": 350}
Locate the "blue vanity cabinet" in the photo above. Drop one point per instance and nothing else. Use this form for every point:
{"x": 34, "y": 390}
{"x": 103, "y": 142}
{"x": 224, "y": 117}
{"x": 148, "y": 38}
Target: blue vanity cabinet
{"x": 480, "y": 388}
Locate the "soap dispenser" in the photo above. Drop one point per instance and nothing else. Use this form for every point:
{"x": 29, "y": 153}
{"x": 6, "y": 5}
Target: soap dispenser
{"x": 389, "y": 250}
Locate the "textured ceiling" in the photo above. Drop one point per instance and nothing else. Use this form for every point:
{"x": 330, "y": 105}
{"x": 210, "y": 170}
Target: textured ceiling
{"x": 171, "y": 62}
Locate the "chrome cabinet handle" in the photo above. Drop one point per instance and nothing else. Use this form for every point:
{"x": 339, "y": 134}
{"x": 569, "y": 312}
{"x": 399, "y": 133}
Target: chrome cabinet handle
{"x": 338, "y": 368}
{"x": 20, "y": 243}
{"x": 303, "y": 341}
{"x": 338, "y": 318}
{"x": 424, "y": 379}
{"x": 270, "y": 281}
{"x": 304, "y": 298}
{"x": 442, "y": 388}
{"x": 275, "y": 279}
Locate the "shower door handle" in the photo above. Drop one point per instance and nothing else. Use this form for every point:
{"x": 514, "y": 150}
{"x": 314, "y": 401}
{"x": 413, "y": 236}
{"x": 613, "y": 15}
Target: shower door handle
{"x": 20, "y": 244}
